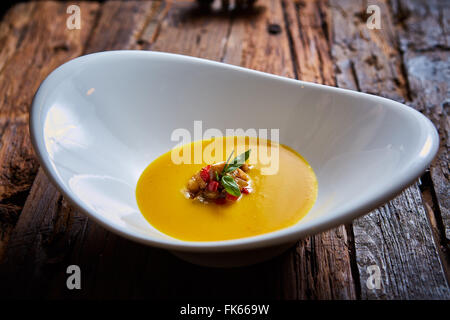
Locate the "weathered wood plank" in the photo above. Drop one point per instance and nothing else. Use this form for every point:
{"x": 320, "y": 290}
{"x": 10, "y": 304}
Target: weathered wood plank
{"x": 309, "y": 31}
{"x": 322, "y": 262}
{"x": 15, "y": 22}
{"x": 396, "y": 237}
{"x": 186, "y": 29}
{"x": 34, "y": 40}
{"x": 125, "y": 20}
{"x": 423, "y": 30}
{"x": 251, "y": 45}
{"x": 49, "y": 233}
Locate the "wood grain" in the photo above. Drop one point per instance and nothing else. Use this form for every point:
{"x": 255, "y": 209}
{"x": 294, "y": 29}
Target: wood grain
{"x": 425, "y": 46}
{"x": 319, "y": 41}
{"x": 396, "y": 237}
{"x": 185, "y": 29}
{"x": 35, "y": 41}
{"x": 322, "y": 265}
{"x": 308, "y": 23}
{"x": 37, "y": 243}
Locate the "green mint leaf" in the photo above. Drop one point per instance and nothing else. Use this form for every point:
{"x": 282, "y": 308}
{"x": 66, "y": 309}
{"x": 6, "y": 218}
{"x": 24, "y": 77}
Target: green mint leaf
{"x": 230, "y": 186}
{"x": 237, "y": 162}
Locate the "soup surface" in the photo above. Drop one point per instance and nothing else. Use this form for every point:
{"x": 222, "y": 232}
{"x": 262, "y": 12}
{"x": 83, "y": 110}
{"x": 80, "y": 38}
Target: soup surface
{"x": 284, "y": 188}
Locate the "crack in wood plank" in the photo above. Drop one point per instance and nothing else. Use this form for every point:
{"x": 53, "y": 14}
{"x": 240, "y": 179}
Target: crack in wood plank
{"x": 287, "y": 25}
{"x": 436, "y": 222}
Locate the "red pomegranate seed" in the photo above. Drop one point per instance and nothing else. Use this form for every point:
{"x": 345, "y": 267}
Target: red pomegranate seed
{"x": 213, "y": 185}
{"x": 245, "y": 190}
{"x": 204, "y": 173}
{"x": 231, "y": 197}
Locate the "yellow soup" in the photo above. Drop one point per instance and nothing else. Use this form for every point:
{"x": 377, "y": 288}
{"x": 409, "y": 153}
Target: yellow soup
{"x": 280, "y": 198}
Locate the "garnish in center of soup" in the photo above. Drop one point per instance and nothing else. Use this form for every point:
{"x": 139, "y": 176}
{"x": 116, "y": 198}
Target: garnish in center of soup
{"x": 265, "y": 187}
{"x": 221, "y": 182}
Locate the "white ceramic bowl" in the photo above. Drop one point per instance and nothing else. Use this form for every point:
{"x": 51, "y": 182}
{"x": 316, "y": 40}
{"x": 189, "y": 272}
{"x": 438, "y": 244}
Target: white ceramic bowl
{"x": 97, "y": 121}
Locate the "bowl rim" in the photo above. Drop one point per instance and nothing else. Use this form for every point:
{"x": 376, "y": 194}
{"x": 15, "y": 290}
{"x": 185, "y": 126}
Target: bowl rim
{"x": 278, "y": 237}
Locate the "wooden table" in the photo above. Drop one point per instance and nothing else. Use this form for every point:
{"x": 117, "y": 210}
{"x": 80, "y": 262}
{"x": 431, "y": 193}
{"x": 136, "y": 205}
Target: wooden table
{"x": 328, "y": 42}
